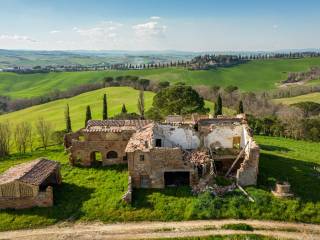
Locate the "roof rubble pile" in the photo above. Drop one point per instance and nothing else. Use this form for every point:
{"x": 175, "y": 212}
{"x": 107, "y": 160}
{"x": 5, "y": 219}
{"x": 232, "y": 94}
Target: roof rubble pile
{"x": 207, "y": 184}
{"x": 198, "y": 158}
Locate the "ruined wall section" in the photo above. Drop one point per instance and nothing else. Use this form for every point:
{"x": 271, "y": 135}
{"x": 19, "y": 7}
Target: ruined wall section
{"x": 177, "y": 136}
{"x": 248, "y": 172}
{"x": 156, "y": 162}
{"x": 222, "y": 136}
{"x": 100, "y": 142}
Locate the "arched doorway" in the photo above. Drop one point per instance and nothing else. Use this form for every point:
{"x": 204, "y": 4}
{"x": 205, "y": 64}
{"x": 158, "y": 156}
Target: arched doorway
{"x": 112, "y": 155}
{"x": 96, "y": 156}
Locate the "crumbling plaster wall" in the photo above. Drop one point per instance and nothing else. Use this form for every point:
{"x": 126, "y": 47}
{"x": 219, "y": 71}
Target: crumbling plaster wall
{"x": 222, "y": 136}
{"x": 177, "y": 136}
{"x": 156, "y": 162}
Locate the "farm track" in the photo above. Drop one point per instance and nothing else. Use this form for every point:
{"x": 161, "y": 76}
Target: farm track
{"x": 151, "y": 230}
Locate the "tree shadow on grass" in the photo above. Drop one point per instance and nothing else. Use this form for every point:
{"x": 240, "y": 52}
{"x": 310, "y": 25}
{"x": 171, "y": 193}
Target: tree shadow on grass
{"x": 272, "y": 148}
{"x": 98, "y": 166}
{"x": 303, "y": 177}
{"x": 68, "y": 201}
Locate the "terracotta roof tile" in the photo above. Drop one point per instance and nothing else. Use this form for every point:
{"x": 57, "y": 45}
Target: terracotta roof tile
{"x": 34, "y": 172}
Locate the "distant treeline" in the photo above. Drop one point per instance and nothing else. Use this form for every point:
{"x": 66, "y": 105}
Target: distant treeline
{"x": 201, "y": 62}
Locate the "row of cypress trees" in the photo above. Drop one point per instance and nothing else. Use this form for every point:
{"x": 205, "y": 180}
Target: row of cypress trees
{"x": 218, "y": 107}
{"x": 88, "y": 114}
{"x": 104, "y": 111}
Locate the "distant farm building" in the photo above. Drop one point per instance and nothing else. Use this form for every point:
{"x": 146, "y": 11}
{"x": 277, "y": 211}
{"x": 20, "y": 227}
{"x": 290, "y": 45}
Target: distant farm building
{"x": 29, "y": 184}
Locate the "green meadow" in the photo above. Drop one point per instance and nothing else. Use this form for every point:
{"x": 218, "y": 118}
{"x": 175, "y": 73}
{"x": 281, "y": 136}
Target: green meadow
{"x": 94, "y": 194}
{"x": 255, "y": 75}
{"x": 310, "y": 97}
{"x": 54, "y": 111}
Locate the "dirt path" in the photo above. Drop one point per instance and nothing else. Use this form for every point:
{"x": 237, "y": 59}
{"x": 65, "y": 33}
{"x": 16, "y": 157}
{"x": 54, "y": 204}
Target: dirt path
{"x": 148, "y": 230}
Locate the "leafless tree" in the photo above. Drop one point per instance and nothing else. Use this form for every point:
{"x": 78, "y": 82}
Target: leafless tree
{"x": 44, "y": 130}
{"x": 22, "y": 133}
{"x": 291, "y": 117}
{"x": 5, "y": 136}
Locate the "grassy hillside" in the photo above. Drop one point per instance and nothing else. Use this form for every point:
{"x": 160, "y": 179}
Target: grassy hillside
{"x": 252, "y": 76}
{"x": 54, "y": 111}
{"x": 90, "y": 194}
{"x": 313, "y": 97}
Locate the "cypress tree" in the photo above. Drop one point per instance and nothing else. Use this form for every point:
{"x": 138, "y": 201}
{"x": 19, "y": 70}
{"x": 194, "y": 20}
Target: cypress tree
{"x": 88, "y": 115}
{"x": 68, "y": 119}
{"x": 141, "y": 104}
{"x": 240, "y": 107}
{"x": 124, "y": 109}
{"x": 218, "y": 106}
{"x": 105, "y": 107}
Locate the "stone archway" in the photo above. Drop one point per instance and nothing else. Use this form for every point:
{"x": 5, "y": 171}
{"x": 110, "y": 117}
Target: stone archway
{"x": 96, "y": 156}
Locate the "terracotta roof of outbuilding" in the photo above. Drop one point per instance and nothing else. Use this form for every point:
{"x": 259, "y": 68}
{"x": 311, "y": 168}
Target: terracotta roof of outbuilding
{"x": 115, "y": 125}
{"x": 34, "y": 172}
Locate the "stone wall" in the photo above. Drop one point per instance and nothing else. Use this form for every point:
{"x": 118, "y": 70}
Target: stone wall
{"x": 155, "y": 164}
{"x": 247, "y": 174}
{"x": 42, "y": 199}
{"x": 82, "y": 152}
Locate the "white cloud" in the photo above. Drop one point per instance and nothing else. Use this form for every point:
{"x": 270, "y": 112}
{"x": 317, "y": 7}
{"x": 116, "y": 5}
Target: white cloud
{"x": 16, "y": 37}
{"x": 55, "y": 31}
{"x": 275, "y": 26}
{"x": 150, "y": 29}
{"x": 155, "y": 18}
{"x": 102, "y": 31}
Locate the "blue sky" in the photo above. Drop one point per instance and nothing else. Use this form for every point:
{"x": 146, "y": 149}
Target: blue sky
{"x": 198, "y": 25}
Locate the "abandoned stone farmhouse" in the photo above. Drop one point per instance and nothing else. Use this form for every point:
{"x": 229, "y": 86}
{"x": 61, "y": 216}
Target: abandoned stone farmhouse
{"x": 29, "y": 184}
{"x": 176, "y": 152}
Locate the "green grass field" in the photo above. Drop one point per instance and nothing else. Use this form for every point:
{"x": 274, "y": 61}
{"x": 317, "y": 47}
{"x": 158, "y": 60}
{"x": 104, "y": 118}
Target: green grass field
{"x": 311, "y": 97}
{"x": 54, "y": 111}
{"x": 90, "y": 194}
{"x": 253, "y": 76}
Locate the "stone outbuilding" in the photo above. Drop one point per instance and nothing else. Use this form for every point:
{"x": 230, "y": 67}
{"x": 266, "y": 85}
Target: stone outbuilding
{"x": 29, "y": 184}
{"x": 102, "y": 141}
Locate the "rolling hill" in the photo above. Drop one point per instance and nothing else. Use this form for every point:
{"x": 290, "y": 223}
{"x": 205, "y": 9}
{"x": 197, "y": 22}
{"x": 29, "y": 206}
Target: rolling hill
{"x": 255, "y": 75}
{"x": 311, "y": 97}
{"x": 54, "y": 111}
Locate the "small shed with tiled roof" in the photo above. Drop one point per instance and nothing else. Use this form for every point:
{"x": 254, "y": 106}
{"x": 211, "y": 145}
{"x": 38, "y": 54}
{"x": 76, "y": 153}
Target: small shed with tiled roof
{"x": 29, "y": 184}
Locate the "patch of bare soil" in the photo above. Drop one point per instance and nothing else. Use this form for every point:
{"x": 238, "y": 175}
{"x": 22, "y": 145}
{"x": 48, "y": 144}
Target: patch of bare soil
{"x": 151, "y": 230}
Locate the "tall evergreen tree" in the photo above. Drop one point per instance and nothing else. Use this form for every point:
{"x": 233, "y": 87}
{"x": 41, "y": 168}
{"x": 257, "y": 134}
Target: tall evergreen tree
{"x": 141, "y": 104}
{"x": 124, "y": 109}
{"x": 105, "y": 107}
{"x": 218, "y": 106}
{"x": 240, "y": 107}
{"x": 88, "y": 115}
{"x": 68, "y": 119}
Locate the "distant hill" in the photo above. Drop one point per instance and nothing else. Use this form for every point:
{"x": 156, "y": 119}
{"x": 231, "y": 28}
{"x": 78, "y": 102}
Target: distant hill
{"x": 311, "y": 97}
{"x": 24, "y": 58}
{"x": 255, "y": 75}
